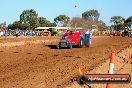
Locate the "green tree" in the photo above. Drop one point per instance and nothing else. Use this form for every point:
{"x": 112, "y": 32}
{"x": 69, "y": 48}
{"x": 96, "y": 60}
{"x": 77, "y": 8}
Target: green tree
{"x": 91, "y": 15}
{"x": 3, "y": 25}
{"x": 17, "y": 24}
{"x": 10, "y": 26}
{"x": 117, "y": 20}
{"x": 51, "y": 24}
{"x": 14, "y": 25}
{"x": 29, "y": 18}
{"x": 129, "y": 20}
{"x": 62, "y": 20}
{"x": 42, "y": 21}
{"x": 119, "y": 26}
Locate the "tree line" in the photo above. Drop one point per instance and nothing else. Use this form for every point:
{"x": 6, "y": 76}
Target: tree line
{"x": 29, "y": 20}
{"x": 120, "y": 22}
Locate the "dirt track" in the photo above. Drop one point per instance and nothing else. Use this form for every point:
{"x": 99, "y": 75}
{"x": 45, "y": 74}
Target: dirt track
{"x": 38, "y": 66}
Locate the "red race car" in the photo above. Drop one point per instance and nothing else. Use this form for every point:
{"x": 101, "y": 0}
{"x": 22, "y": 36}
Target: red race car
{"x": 74, "y": 38}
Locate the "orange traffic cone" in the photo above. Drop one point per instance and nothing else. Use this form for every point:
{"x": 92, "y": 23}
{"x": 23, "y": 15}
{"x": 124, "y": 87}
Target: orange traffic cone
{"x": 82, "y": 71}
{"x": 108, "y": 86}
{"x": 112, "y": 56}
{"x": 131, "y": 58}
{"x": 111, "y": 66}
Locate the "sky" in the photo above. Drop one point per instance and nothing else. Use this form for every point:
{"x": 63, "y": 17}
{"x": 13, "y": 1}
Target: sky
{"x": 10, "y": 10}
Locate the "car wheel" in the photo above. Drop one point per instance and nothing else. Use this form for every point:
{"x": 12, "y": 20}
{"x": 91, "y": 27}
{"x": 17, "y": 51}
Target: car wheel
{"x": 80, "y": 43}
{"x": 69, "y": 45}
{"x": 57, "y": 46}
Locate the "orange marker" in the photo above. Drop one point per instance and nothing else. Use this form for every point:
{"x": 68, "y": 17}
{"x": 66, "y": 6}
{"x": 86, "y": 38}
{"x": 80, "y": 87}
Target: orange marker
{"x": 112, "y": 59}
{"x": 111, "y": 66}
{"x": 82, "y": 71}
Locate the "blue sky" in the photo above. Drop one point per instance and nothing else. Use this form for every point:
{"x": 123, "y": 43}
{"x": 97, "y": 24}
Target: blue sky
{"x": 10, "y": 10}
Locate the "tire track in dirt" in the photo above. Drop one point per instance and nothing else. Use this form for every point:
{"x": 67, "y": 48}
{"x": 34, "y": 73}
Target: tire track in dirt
{"x": 52, "y": 68}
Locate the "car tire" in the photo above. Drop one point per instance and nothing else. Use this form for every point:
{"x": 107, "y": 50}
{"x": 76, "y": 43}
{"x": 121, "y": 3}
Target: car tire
{"x": 57, "y": 46}
{"x": 80, "y": 43}
{"x": 69, "y": 45}
{"x": 86, "y": 43}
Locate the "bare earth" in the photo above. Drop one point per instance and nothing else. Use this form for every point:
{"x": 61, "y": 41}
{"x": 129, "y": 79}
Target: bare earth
{"x": 38, "y": 66}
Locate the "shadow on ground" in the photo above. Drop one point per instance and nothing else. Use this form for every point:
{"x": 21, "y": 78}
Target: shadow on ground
{"x": 52, "y": 46}
{"x": 55, "y": 47}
